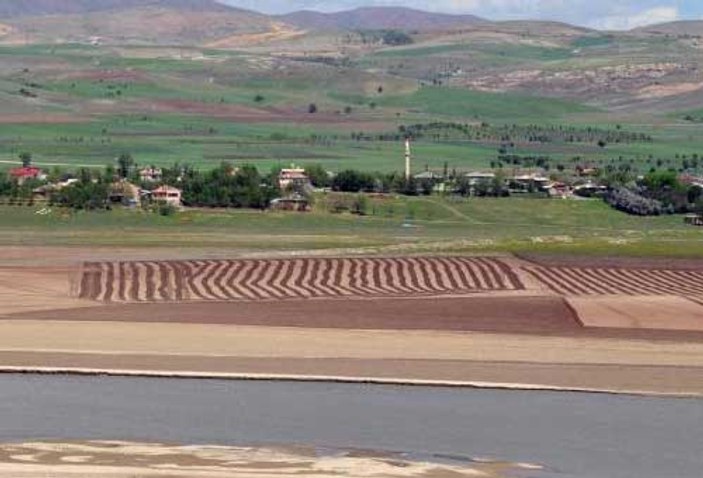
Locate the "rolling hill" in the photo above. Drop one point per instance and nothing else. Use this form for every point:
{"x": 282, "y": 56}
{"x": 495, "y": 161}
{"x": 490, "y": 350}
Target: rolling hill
{"x": 689, "y": 27}
{"x": 27, "y": 8}
{"x": 612, "y": 70}
{"x": 378, "y": 18}
{"x": 181, "y": 22}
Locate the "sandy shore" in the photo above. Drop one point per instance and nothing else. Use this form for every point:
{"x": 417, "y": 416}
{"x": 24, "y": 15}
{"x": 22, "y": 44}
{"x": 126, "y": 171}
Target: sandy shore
{"x": 128, "y": 460}
{"x": 573, "y": 363}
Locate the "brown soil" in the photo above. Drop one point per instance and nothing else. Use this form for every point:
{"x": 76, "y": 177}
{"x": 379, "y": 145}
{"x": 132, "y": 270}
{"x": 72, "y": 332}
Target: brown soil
{"x": 535, "y": 315}
{"x": 558, "y": 260}
{"x": 660, "y": 313}
{"x": 256, "y": 279}
{"x": 660, "y": 379}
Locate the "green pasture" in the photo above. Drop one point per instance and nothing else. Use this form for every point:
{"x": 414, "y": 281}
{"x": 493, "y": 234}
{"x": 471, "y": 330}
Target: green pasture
{"x": 474, "y": 105}
{"x": 115, "y": 115}
{"x": 392, "y": 224}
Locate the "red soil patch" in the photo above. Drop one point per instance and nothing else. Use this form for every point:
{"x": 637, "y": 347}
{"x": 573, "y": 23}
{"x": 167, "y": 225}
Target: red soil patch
{"x": 486, "y": 314}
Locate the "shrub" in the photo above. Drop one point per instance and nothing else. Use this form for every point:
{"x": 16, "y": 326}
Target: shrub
{"x": 166, "y": 209}
{"x": 630, "y": 202}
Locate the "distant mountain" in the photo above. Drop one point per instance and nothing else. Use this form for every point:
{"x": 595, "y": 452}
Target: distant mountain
{"x": 31, "y": 8}
{"x": 378, "y": 18}
{"x": 691, "y": 27}
{"x": 163, "y": 22}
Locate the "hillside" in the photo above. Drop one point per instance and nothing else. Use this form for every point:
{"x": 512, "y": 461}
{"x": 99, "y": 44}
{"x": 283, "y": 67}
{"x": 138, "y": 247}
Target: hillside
{"x": 378, "y": 18}
{"x": 681, "y": 28}
{"x": 27, "y": 8}
{"x": 623, "y": 71}
{"x": 165, "y": 22}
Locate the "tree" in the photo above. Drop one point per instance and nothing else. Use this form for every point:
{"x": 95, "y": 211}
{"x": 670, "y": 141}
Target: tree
{"x": 26, "y": 158}
{"x": 395, "y": 38}
{"x": 361, "y": 205}
{"x": 125, "y": 162}
{"x": 353, "y": 181}
{"x": 259, "y": 98}
{"x": 85, "y": 194}
{"x": 312, "y": 108}
{"x": 318, "y": 175}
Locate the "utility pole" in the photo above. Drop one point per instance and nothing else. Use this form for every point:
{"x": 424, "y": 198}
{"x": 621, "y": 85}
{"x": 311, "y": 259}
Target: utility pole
{"x": 407, "y": 159}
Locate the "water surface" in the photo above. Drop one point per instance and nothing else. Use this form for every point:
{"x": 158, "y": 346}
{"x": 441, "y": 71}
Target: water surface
{"x": 574, "y": 435}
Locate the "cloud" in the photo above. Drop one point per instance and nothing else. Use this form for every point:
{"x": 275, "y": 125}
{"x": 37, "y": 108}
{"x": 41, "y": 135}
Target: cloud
{"x": 647, "y": 17}
{"x": 604, "y": 14}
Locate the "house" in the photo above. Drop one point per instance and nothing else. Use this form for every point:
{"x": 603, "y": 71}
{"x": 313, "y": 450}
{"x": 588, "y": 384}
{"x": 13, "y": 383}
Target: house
{"x": 693, "y": 219}
{"x": 168, "y": 194}
{"x": 529, "y": 182}
{"x": 45, "y": 191}
{"x": 587, "y": 171}
{"x": 124, "y": 192}
{"x": 558, "y": 190}
{"x": 151, "y": 175}
{"x": 428, "y": 175}
{"x": 690, "y": 180}
{"x": 589, "y": 189}
{"x": 293, "y": 178}
{"x": 26, "y": 173}
{"x": 294, "y": 202}
{"x": 477, "y": 177}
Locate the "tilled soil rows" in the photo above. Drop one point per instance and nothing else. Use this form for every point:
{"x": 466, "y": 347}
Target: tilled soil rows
{"x": 247, "y": 280}
{"x": 591, "y": 281}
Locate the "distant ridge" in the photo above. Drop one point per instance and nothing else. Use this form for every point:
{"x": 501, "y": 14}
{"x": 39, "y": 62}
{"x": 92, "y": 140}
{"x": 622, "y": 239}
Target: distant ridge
{"x": 147, "y": 22}
{"x": 31, "y": 8}
{"x": 684, "y": 27}
{"x": 378, "y": 18}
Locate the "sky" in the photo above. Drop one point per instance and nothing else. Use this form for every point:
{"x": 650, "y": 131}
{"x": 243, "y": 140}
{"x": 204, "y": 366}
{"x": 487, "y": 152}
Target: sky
{"x": 602, "y": 14}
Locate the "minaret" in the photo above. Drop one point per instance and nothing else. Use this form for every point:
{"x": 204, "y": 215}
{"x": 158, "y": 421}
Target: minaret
{"x": 407, "y": 159}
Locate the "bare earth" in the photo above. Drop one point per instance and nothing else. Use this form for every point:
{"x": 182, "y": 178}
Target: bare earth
{"x": 112, "y": 459}
{"x": 494, "y": 321}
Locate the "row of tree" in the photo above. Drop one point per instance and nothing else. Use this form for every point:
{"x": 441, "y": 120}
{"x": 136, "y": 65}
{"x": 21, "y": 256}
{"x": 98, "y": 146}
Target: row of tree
{"x": 507, "y": 133}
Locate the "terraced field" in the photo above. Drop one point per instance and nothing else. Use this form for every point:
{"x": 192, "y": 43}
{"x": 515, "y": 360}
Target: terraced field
{"x": 247, "y": 280}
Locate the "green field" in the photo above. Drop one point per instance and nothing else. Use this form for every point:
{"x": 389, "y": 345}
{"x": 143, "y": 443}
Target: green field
{"x": 393, "y": 225}
{"x": 74, "y": 106}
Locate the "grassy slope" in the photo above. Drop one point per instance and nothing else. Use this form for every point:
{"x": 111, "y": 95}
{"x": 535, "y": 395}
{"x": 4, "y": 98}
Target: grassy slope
{"x": 400, "y": 224}
{"x": 233, "y": 79}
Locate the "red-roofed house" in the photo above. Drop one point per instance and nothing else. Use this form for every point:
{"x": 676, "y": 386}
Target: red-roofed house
{"x": 26, "y": 173}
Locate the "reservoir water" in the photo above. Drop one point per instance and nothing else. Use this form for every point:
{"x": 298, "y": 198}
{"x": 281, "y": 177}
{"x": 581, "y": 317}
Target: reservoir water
{"x": 573, "y": 435}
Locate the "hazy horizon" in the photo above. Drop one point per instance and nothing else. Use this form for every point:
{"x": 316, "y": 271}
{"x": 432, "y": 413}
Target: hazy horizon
{"x": 600, "y": 14}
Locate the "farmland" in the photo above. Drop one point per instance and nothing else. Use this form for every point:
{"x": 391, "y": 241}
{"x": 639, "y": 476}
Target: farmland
{"x": 428, "y": 281}
{"x": 401, "y": 223}
{"x": 79, "y": 106}
{"x": 287, "y": 279}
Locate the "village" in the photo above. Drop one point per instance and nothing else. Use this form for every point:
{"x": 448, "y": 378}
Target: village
{"x": 292, "y": 188}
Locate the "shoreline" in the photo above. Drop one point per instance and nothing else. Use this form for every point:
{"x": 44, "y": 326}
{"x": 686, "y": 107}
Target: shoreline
{"x": 401, "y": 382}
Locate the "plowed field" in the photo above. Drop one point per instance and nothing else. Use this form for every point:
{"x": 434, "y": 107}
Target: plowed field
{"x": 246, "y": 280}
